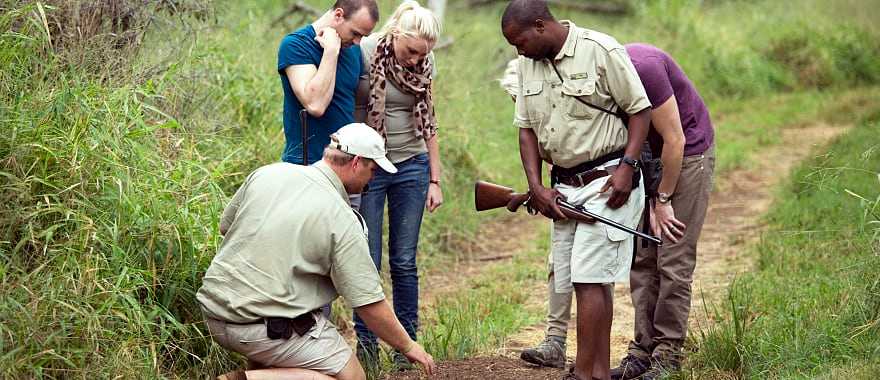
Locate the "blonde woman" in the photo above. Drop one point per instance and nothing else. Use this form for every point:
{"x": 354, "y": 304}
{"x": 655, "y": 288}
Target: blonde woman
{"x": 395, "y": 99}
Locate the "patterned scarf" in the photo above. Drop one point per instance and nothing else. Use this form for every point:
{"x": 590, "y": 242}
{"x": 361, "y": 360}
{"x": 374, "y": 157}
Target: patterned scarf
{"x": 415, "y": 81}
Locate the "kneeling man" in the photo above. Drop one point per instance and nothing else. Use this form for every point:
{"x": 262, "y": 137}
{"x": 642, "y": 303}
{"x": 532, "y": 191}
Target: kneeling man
{"x": 292, "y": 243}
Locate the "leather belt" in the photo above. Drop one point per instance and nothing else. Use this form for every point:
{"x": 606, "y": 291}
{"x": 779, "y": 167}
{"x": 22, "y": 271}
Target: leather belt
{"x": 584, "y": 178}
{"x": 585, "y": 172}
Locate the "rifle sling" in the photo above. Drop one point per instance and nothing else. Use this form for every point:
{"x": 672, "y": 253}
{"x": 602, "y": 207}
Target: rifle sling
{"x": 619, "y": 114}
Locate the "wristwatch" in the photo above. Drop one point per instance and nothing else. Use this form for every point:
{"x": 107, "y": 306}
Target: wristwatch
{"x": 663, "y": 198}
{"x": 631, "y": 162}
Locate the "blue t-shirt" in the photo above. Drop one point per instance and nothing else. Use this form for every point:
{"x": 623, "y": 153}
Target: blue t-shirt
{"x": 300, "y": 48}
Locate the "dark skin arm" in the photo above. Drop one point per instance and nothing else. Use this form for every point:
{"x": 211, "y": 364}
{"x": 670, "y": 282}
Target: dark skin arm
{"x": 620, "y": 182}
{"x": 543, "y": 199}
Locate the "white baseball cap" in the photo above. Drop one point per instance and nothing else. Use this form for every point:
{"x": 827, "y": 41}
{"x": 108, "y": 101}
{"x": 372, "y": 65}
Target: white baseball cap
{"x": 361, "y": 140}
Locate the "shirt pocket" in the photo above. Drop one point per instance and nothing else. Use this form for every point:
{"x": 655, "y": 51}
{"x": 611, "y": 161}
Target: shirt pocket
{"x": 582, "y": 89}
{"x": 536, "y": 99}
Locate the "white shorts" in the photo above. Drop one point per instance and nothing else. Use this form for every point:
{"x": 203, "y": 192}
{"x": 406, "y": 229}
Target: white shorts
{"x": 321, "y": 349}
{"x": 594, "y": 253}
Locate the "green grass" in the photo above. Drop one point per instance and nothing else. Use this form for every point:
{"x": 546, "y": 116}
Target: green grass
{"x": 811, "y": 308}
{"x": 113, "y": 180}
{"x": 486, "y": 308}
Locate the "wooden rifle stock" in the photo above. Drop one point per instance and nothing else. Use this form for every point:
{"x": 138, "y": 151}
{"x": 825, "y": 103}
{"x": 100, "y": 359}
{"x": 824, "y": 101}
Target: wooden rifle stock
{"x": 489, "y": 196}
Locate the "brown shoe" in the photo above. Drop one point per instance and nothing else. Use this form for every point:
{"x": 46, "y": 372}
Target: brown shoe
{"x": 234, "y": 375}
{"x": 630, "y": 367}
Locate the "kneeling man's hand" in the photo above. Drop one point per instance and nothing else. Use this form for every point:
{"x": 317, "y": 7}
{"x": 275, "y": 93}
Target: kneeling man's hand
{"x": 418, "y": 355}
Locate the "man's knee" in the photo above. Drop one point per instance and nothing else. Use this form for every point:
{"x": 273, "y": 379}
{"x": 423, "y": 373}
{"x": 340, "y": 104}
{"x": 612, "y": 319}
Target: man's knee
{"x": 352, "y": 370}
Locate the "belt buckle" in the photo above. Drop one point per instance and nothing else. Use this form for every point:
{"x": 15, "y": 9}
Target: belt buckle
{"x": 580, "y": 177}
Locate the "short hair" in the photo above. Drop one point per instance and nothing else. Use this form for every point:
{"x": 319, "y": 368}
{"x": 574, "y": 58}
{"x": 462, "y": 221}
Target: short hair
{"x": 412, "y": 20}
{"x": 337, "y": 157}
{"x": 350, "y": 7}
{"x": 523, "y": 13}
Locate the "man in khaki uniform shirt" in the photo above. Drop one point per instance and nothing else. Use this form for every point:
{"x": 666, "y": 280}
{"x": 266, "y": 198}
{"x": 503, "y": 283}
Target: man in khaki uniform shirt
{"x": 593, "y": 154}
{"x": 292, "y": 244}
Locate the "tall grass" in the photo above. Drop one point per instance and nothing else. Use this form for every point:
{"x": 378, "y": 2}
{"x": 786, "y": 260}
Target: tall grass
{"x": 109, "y": 208}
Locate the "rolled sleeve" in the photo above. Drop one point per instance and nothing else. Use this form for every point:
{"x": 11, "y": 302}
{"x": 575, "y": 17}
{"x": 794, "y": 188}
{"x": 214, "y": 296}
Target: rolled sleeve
{"x": 352, "y": 270}
{"x": 521, "y": 117}
{"x": 624, "y": 83}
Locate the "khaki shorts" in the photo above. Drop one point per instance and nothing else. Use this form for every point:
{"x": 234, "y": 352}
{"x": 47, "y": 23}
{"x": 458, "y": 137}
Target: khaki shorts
{"x": 594, "y": 253}
{"x": 321, "y": 349}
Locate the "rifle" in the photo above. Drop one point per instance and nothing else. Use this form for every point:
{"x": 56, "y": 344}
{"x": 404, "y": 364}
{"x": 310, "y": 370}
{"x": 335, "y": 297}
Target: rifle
{"x": 489, "y": 196}
{"x": 304, "y": 130}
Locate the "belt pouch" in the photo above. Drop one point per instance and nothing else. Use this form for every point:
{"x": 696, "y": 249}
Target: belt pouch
{"x": 279, "y": 328}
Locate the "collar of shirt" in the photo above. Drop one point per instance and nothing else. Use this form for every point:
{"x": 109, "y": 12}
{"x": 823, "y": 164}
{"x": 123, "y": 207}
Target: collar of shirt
{"x": 334, "y": 180}
{"x": 570, "y": 41}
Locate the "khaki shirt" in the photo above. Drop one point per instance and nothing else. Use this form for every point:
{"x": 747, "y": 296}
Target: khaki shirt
{"x": 293, "y": 244}
{"x": 597, "y": 69}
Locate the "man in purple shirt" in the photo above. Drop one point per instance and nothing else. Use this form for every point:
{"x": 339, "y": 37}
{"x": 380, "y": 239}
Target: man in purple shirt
{"x": 682, "y": 135}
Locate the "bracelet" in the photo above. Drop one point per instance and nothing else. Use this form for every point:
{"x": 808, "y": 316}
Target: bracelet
{"x": 412, "y": 344}
{"x": 435, "y": 181}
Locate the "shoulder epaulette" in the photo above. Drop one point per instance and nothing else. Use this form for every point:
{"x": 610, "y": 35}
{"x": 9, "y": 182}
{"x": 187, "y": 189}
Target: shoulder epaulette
{"x": 605, "y": 41}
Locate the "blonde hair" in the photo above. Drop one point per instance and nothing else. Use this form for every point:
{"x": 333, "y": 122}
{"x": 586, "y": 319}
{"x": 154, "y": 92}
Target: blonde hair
{"x": 412, "y": 20}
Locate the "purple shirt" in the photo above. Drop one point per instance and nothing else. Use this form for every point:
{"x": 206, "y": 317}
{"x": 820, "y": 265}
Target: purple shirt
{"x": 662, "y": 78}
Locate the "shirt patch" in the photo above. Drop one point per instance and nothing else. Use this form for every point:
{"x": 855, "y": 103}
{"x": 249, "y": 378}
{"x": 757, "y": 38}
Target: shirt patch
{"x": 578, "y": 76}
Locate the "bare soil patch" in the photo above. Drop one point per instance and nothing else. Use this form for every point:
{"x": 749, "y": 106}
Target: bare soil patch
{"x": 486, "y": 368}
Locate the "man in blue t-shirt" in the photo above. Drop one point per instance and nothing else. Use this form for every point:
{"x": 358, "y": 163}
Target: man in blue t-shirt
{"x": 319, "y": 66}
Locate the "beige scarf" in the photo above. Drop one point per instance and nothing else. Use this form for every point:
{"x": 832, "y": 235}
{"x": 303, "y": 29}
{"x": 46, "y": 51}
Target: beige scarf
{"x": 415, "y": 81}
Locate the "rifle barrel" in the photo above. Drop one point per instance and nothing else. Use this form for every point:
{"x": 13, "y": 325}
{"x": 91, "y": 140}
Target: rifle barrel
{"x": 583, "y": 212}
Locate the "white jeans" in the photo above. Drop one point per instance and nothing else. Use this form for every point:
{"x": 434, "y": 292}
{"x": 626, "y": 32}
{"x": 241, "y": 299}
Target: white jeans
{"x": 594, "y": 253}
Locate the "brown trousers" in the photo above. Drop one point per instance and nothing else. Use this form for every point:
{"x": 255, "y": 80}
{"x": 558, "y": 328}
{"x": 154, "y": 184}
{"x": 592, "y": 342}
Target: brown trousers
{"x": 660, "y": 279}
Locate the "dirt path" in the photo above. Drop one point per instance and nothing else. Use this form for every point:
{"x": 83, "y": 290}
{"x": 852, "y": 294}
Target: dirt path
{"x": 733, "y": 222}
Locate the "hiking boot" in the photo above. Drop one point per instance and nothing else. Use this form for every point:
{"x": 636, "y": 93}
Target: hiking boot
{"x": 660, "y": 369}
{"x": 630, "y": 367}
{"x": 550, "y": 353}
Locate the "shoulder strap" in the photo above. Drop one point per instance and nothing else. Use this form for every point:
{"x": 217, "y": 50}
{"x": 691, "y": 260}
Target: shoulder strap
{"x": 620, "y": 114}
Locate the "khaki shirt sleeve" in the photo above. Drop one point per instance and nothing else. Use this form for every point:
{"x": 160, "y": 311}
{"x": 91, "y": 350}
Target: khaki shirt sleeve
{"x": 521, "y": 117}
{"x": 352, "y": 270}
{"x": 624, "y": 83}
